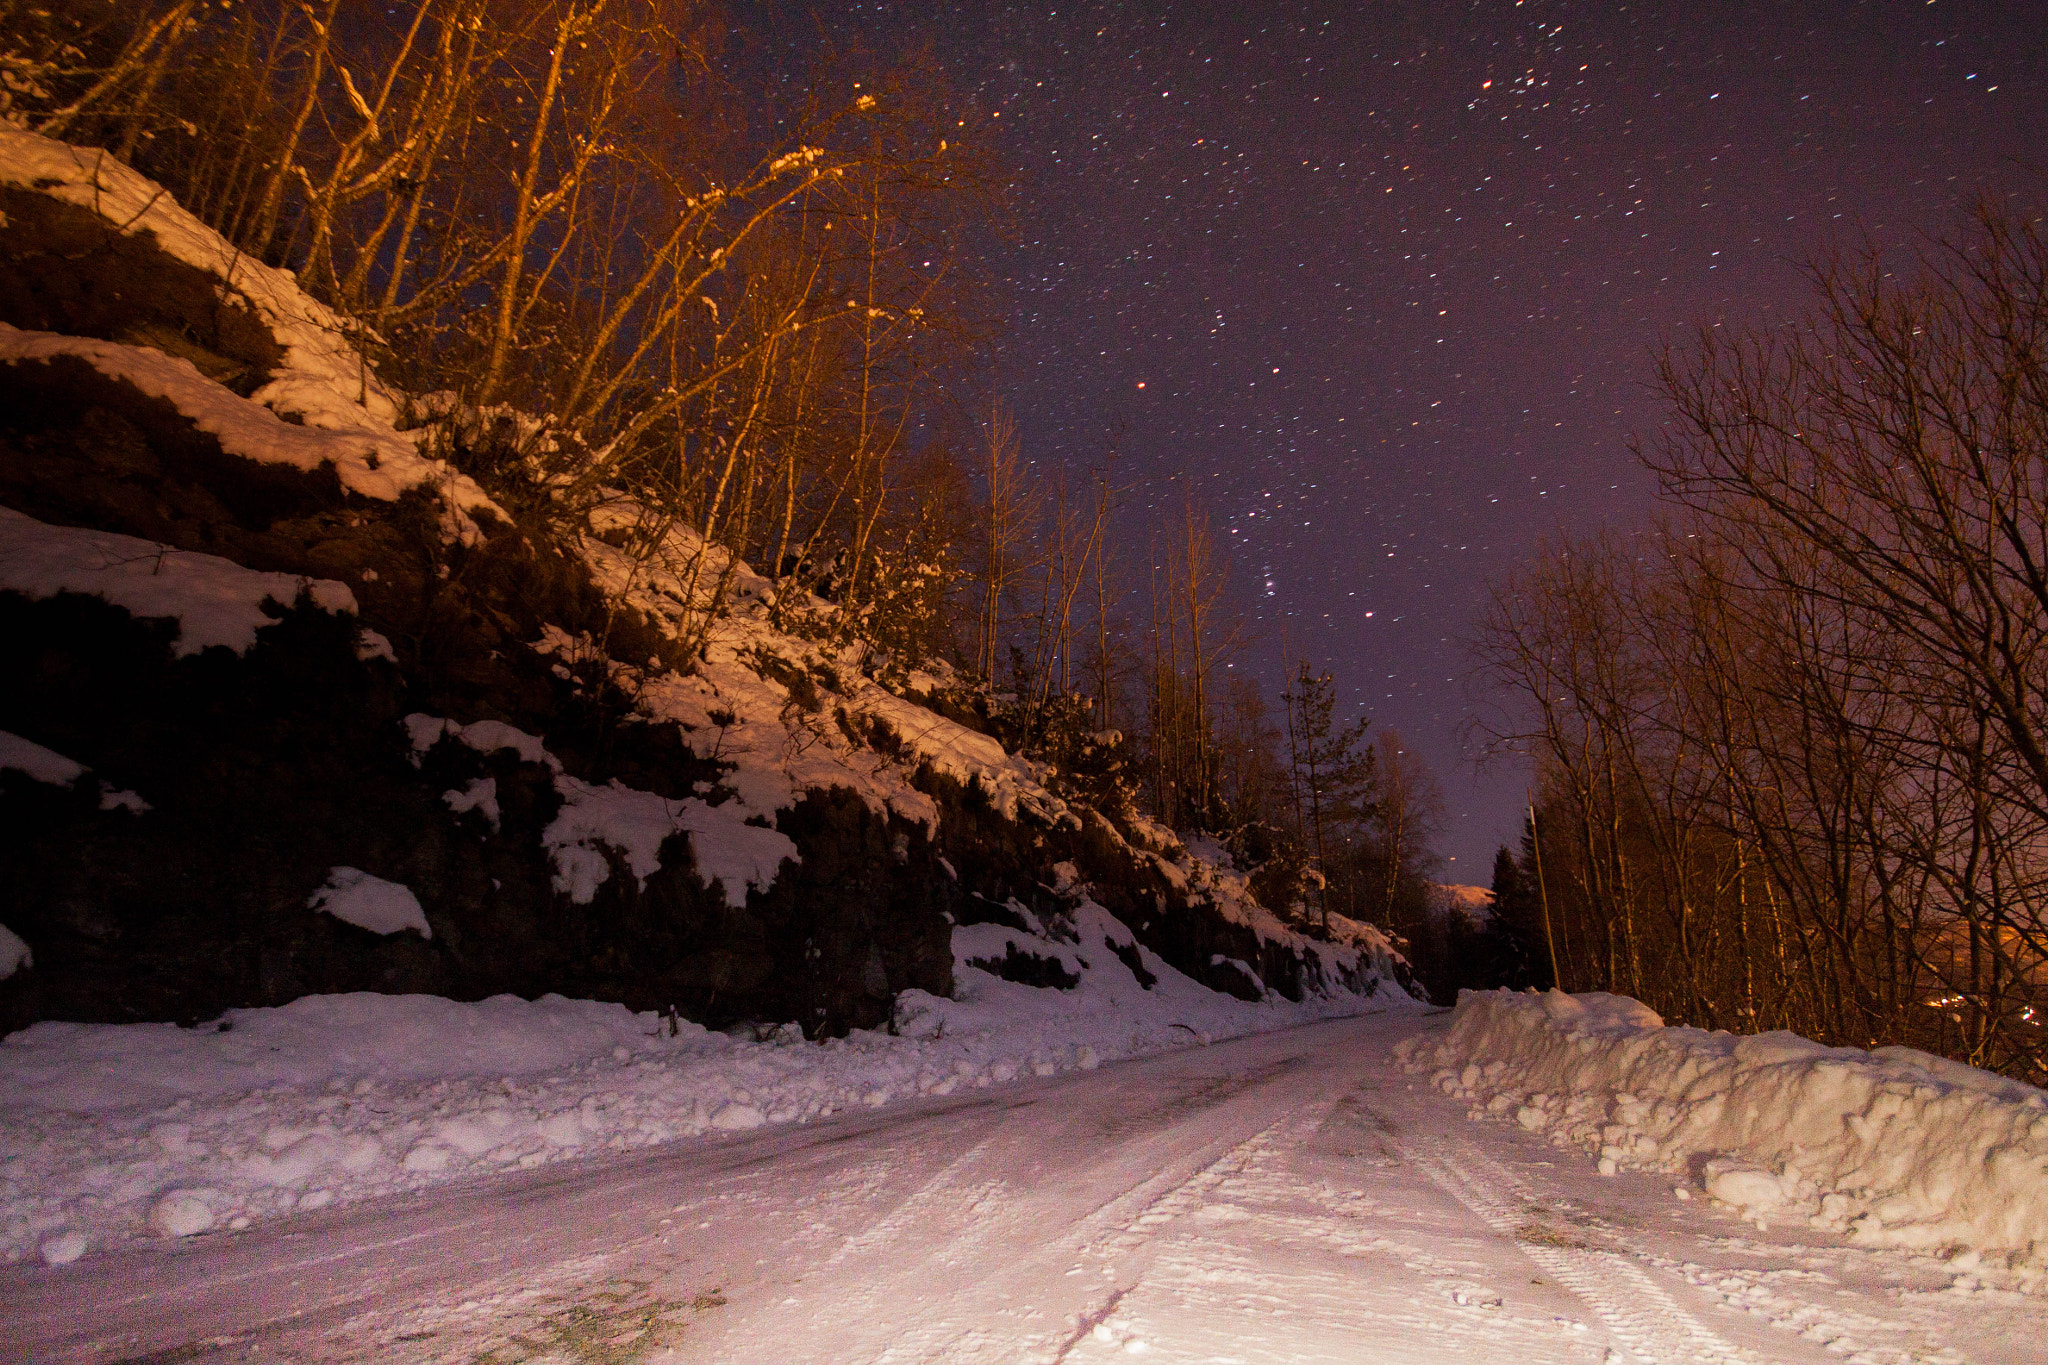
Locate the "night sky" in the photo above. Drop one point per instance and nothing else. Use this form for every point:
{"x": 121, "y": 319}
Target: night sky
{"x": 1382, "y": 281}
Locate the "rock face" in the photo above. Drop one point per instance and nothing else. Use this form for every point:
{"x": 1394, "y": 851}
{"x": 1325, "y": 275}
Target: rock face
{"x": 749, "y": 829}
{"x": 263, "y": 772}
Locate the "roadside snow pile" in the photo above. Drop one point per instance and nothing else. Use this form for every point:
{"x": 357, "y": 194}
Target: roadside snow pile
{"x": 111, "y": 1133}
{"x": 215, "y": 601}
{"x": 1894, "y": 1147}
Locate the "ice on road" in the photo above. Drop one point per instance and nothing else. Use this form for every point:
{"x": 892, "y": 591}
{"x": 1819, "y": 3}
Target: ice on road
{"x": 1290, "y": 1196}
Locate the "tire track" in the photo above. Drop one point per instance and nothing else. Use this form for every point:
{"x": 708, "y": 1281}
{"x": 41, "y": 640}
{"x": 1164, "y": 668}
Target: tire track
{"x": 1159, "y": 1199}
{"x": 1636, "y": 1310}
{"x": 944, "y": 1192}
{"x": 1190, "y": 1193}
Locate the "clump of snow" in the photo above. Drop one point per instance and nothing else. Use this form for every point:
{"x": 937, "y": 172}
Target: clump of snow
{"x": 65, "y": 1247}
{"x": 215, "y": 601}
{"x": 484, "y": 736}
{"x": 184, "y": 1213}
{"x": 371, "y": 645}
{"x": 480, "y": 794}
{"x": 135, "y": 1131}
{"x": 1894, "y": 1147}
{"x": 132, "y": 802}
{"x": 727, "y": 850}
{"x": 14, "y": 953}
{"x": 39, "y": 764}
{"x": 355, "y": 897}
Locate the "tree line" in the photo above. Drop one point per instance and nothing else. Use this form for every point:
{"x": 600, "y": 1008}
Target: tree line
{"x": 619, "y": 262}
{"x": 1791, "y": 740}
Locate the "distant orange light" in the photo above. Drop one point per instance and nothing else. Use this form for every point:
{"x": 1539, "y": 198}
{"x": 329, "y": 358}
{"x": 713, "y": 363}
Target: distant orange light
{"x": 1141, "y": 383}
{"x": 1486, "y": 85}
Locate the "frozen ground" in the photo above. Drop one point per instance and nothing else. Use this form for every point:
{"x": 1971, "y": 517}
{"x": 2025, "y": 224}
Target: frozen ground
{"x": 1291, "y": 1196}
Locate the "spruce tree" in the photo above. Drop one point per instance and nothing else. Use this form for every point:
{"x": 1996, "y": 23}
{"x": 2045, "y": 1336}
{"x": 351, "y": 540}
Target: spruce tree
{"x": 1333, "y": 775}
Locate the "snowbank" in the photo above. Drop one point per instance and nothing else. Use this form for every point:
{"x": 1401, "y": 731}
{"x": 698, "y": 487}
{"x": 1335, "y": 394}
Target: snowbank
{"x": 1894, "y": 1147}
{"x": 215, "y": 601}
{"x": 112, "y": 1133}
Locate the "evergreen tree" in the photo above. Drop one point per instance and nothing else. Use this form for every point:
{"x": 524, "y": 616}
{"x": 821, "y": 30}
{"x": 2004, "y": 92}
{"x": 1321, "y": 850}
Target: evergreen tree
{"x": 1518, "y": 913}
{"x": 1333, "y": 774}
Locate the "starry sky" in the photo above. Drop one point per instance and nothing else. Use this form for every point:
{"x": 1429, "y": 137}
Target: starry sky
{"x": 1381, "y": 281}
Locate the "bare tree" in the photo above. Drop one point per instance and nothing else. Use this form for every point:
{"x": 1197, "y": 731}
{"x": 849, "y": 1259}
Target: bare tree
{"x": 1797, "y": 735}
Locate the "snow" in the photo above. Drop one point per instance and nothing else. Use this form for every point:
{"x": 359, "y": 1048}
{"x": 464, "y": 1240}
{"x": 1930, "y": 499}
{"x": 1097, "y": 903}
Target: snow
{"x": 613, "y": 816}
{"x": 215, "y": 601}
{"x": 728, "y": 851}
{"x": 65, "y": 1248}
{"x": 375, "y": 464}
{"x": 1893, "y": 1147}
{"x": 125, "y": 1132}
{"x": 39, "y": 764}
{"x": 732, "y": 709}
{"x": 484, "y": 736}
{"x": 1474, "y": 903}
{"x": 355, "y": 897}
{"x": 480, "y": 794}
{"x": 1284, "y": 1197}
{"x": 315, "y": 338}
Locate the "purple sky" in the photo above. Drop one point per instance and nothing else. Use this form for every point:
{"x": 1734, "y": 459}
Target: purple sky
{"x": 1394, "y": 323}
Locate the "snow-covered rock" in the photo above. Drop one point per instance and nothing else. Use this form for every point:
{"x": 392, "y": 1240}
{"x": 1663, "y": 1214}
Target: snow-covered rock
{"x": 337, "y": 409}
{"x": 355, "y": 897}
{"x": 32, "y": 760}
{"x": 215, "y": 601}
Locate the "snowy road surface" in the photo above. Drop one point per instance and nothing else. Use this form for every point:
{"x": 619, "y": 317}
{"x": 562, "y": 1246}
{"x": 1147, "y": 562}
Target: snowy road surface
{"x": 1285, "y": 1197}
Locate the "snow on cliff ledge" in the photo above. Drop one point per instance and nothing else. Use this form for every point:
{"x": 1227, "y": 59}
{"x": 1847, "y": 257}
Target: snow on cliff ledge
{"x": 346, "y": 413}
{"x": 1894, "y": 1147}
{"x": 215, "y": 601}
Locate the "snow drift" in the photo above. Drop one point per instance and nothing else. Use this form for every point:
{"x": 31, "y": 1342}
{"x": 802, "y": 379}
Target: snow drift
{"x": 1893, "y": 1146}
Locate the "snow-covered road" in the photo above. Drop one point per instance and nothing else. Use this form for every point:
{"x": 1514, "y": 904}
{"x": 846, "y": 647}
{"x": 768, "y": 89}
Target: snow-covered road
{"x": 1290, "y": 1196}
